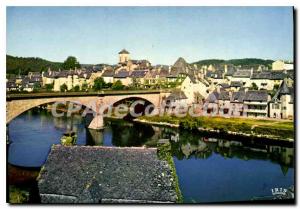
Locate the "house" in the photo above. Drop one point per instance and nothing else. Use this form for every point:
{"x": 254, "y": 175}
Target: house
{"x": 256, "y": 103}
{"x": 151, "y": 78}
{"x": 137, "y": 77}
{"x": 11, "y": 86}
{"x": 282, "y": 104}
{"x": 263, "y": 80}
{"x": 211, "y": 105}
{"x": 123, "y": 76}
{"x": 243, "y": 76}
{"x": 175, "y": 100}
{"x": 108, "y": 75}
{"x": 179, "y": 71}
{"x": 194, "y": 89}
{"x": 224, "y": 103}
{"x": 237, "y": 103}
{"x": 216, "y": 77}
{"x": 236, "y": 85}
{"x": 281, "y": 65}
{"x": 63, "y": 78}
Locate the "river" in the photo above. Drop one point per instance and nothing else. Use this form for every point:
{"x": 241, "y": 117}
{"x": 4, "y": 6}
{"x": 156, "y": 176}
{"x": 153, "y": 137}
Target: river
{"x": 210, "y": 169}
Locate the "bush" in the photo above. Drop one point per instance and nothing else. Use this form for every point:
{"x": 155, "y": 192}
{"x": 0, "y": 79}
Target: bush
{"x": 63, "y": 88}
{"x": 49, "y": 87}
{"x": 117, "y": 85}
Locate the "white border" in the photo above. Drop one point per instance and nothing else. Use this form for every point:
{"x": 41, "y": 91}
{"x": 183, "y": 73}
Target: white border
{"x": 5, "y": 3}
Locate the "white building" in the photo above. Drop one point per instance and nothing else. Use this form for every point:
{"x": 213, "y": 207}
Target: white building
{"x": 282, "y": 104}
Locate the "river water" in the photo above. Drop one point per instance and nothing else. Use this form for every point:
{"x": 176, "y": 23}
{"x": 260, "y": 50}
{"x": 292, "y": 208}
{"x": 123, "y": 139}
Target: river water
{"x": 210, "y": 169}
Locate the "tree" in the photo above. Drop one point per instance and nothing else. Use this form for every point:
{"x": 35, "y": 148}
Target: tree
{"x": 36, "y": 87}
{"x": 76, "y": 88}
{"x": 117, "y": 85}
{"x": 49, "y": 87}
{"x": 71, "y": 63}
{"x": 99, "y": 84}
{"x": 84, "y": 87}
{"x": 254, "y": 86}
{"x": 63, "y": 88}
{"x": 108, "y": 85}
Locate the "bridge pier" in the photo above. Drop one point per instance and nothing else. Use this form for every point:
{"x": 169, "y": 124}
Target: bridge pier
{"x": 97, "y": 123}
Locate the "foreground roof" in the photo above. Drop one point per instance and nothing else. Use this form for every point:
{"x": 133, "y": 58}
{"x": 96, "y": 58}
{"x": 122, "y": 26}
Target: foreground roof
{"x": 119, "y": 175}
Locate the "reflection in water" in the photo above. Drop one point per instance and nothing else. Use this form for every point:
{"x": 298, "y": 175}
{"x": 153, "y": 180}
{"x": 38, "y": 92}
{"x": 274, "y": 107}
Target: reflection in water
{"x": 94, "y": 137}
{"x": 209, "y": 169}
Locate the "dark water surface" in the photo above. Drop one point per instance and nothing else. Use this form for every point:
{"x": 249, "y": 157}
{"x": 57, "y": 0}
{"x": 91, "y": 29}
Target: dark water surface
{"x": 209, "y": 169}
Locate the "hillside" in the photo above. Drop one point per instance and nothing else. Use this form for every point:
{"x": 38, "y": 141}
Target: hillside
{"x": 26, "y": 64}
{"x": 243, "y": 62}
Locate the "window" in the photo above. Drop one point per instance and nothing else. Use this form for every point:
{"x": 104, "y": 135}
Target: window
{"x": 226, "y": 110}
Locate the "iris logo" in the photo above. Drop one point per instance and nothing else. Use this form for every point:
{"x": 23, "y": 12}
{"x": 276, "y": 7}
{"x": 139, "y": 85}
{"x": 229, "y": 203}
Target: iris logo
{"x": 278, "y": 191}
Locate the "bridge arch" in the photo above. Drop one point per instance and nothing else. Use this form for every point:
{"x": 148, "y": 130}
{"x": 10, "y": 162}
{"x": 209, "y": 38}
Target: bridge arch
{"x": 16, "y": 107}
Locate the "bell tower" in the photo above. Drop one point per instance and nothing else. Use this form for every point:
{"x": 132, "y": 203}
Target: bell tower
{"x": 124, "y": 56}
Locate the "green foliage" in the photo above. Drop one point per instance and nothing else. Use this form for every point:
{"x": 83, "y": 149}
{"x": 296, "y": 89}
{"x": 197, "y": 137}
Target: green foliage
{"x": 63, "y": 88}
{"x": 209, "y": 62}
{"x": 108, "y": 85}
{"x": 17, "y": 196}
{"x": 70, "y": 63}
{"x": 36, "y": 87}
{"x": 14, "y": 65}
{"x": 253, "y": 86}
{"x": 76, "y": 88}
{"x": 117, "y": 85}
{"x": 99, "y": 84}
{"x": 84, "y": 87}
{"x": 164, "y": 153}
{"x": 272, "y": 129}
{"x": 49, "y": 87}
{"x": 243, "y": 62}
{"x": 68, "y": 140}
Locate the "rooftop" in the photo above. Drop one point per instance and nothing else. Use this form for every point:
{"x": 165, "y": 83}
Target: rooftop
{"x": 124, "y": 51}
{"x": 120, "y": 175}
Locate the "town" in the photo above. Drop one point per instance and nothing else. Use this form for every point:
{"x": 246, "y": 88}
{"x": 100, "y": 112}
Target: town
{"x": 150, "y": 105}
{"x": 220, "y": 89}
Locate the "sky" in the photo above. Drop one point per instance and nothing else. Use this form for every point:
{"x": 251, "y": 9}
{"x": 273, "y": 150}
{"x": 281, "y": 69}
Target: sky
{"x": 159, "y": 34}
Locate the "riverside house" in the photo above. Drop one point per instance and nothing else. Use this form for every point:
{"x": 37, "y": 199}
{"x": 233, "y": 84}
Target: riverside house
{"x": 256, "y": 103}
{"x": 282, "y": 104}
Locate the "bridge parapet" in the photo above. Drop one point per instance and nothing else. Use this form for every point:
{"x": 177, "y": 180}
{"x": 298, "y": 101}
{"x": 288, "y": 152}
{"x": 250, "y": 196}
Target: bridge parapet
{"x": 19, "y": 103}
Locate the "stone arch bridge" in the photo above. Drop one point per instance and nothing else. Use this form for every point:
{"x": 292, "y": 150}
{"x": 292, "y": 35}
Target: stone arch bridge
{"x": 16, "y": 104}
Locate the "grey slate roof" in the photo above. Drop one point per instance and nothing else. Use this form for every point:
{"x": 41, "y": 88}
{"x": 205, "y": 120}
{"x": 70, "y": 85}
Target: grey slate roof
{"x": 224, "y": 95}
{"x": 124, "y": 51}
{"x": 122, "y": 74}
{"x": 284, "y": 89}
{"x": 236, "y": 84}
{"x": 238, "y": 96}
{"x": 119, "y": 175}
{"x": 192, "y": 78}
{"x": 108, "y": 73}
{"x": 138, "y": 74}
{"x": 177, "y": 95}
{"x": 256, "y": 96}
{"x": 11, "y": 85}
{"x": 242, "y": 74}
{"x": 261, "y": 75}
{"x": 163, "y": 73}
{"x": 213, "y": 97}
{"x": 224, "y": 85}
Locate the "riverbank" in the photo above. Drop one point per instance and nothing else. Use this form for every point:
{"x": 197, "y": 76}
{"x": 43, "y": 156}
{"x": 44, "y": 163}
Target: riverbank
{"x": 246, "y": 127}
